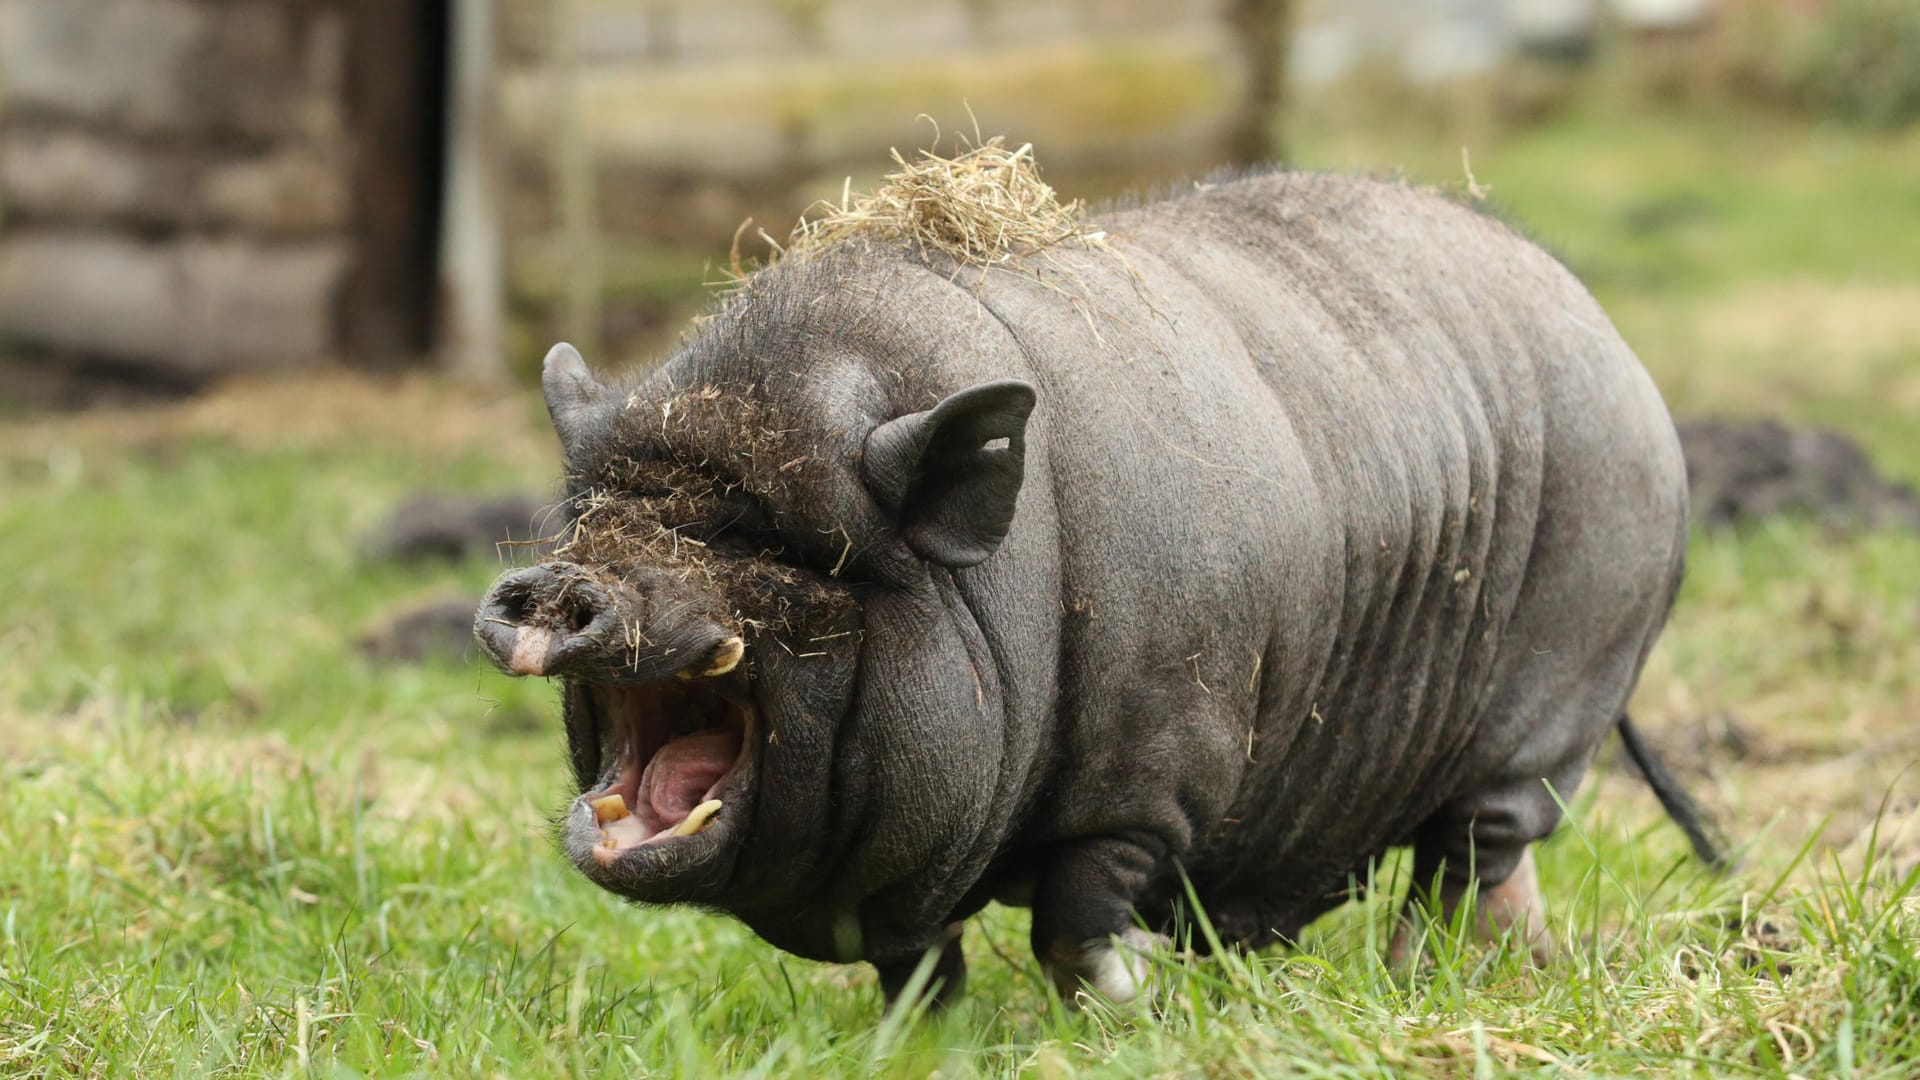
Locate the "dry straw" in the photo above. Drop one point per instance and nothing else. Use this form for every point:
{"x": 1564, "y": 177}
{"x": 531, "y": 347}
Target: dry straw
{"x": 984, "y": 207}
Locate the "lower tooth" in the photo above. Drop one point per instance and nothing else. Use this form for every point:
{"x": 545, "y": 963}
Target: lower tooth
{"x": 700, "y": 818}
{"x": 609, "y": 809}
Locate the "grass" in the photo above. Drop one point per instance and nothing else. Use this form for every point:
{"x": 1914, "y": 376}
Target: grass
{"x": 231, "y": 844}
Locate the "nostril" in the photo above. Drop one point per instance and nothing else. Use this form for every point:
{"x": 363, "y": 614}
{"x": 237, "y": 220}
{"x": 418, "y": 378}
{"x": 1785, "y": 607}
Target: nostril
{"x": 579, "y": 616}
{"x": 515, "y": 603}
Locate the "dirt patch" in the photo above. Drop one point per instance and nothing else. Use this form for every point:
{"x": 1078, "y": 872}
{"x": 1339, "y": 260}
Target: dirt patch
{"x": 437, "y": 525}
{"x": 438, "y": 631}
{"x": 1747, "y": 470}
{"x": 37, "y": 384}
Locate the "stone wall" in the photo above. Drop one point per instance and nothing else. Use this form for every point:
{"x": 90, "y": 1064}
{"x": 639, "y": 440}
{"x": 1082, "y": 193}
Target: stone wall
{"x": 175, "y": 180}
{"x": 191, "y": 187}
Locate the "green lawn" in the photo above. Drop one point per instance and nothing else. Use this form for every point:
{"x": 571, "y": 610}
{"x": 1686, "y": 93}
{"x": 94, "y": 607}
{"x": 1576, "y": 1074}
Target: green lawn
{"x": 230, "y": 844}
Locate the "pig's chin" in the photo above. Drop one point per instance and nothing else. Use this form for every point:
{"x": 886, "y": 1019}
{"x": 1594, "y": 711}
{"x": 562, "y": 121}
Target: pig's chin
{"x": 676, "y": 765}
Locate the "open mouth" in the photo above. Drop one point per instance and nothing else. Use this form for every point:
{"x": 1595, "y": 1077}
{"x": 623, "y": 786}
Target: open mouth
{"x": 679, "y": 755}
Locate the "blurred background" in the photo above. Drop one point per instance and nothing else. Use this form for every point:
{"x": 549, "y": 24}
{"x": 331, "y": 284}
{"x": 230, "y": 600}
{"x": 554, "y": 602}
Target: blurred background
{"x": 196, "y": 188}
{"x": 275, "y": 276}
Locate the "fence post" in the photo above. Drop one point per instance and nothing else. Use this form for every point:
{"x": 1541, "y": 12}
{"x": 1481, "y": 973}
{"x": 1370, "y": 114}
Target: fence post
{"x": 472, "y": 316}
{"x": 573, "y": 185}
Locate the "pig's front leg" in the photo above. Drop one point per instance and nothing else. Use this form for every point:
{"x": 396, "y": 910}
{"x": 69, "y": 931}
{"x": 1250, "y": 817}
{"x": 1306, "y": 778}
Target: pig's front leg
{"x": 945, "y": 983}
{"x": 1083, "y": 929}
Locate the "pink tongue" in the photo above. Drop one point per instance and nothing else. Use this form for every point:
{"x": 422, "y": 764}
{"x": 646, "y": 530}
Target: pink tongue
{"x": 680, "y": 774}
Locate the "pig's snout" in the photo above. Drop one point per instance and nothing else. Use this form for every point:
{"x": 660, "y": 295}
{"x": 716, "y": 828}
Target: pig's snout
{"x": 535, "y": 620}
{"x": 555, "y": 619}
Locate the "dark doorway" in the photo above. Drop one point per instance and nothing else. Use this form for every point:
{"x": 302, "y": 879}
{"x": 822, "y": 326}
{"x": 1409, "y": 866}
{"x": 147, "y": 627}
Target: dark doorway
{"x": 397, "y": 77}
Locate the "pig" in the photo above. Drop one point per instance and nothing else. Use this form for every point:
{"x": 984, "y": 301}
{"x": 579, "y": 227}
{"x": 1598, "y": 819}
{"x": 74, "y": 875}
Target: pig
{"x": 1299, "y": 518}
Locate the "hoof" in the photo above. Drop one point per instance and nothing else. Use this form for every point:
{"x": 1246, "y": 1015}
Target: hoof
{"x": 1115, "y": 969}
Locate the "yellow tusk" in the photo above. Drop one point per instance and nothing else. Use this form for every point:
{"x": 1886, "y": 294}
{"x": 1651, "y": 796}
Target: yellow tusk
{"x": 726, "y": 657}
{"x": 700, "y": 818}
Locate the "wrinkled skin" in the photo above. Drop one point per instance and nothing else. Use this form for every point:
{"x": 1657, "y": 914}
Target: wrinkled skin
{"x": 1336, "y": 517}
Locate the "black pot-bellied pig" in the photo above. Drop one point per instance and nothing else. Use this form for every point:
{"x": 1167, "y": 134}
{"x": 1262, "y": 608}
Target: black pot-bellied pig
{"x": 1286, "y": 521}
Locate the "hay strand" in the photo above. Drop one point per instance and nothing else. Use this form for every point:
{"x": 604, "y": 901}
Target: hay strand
{"x": 984, "y": 207}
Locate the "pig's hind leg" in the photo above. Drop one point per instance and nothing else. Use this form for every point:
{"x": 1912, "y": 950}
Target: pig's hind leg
{"x": 1512, "y": 909}
{"x": 1481, "y": 848}
{"x": 1479, "y": 842}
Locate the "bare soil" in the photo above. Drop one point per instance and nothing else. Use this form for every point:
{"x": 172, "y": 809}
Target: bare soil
{"x": 1747, "y": 470}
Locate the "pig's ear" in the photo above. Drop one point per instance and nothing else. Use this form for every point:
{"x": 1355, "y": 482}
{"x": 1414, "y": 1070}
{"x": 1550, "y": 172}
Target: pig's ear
{"x": 951, "y": 475}
{"x": 573, "y": 394}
